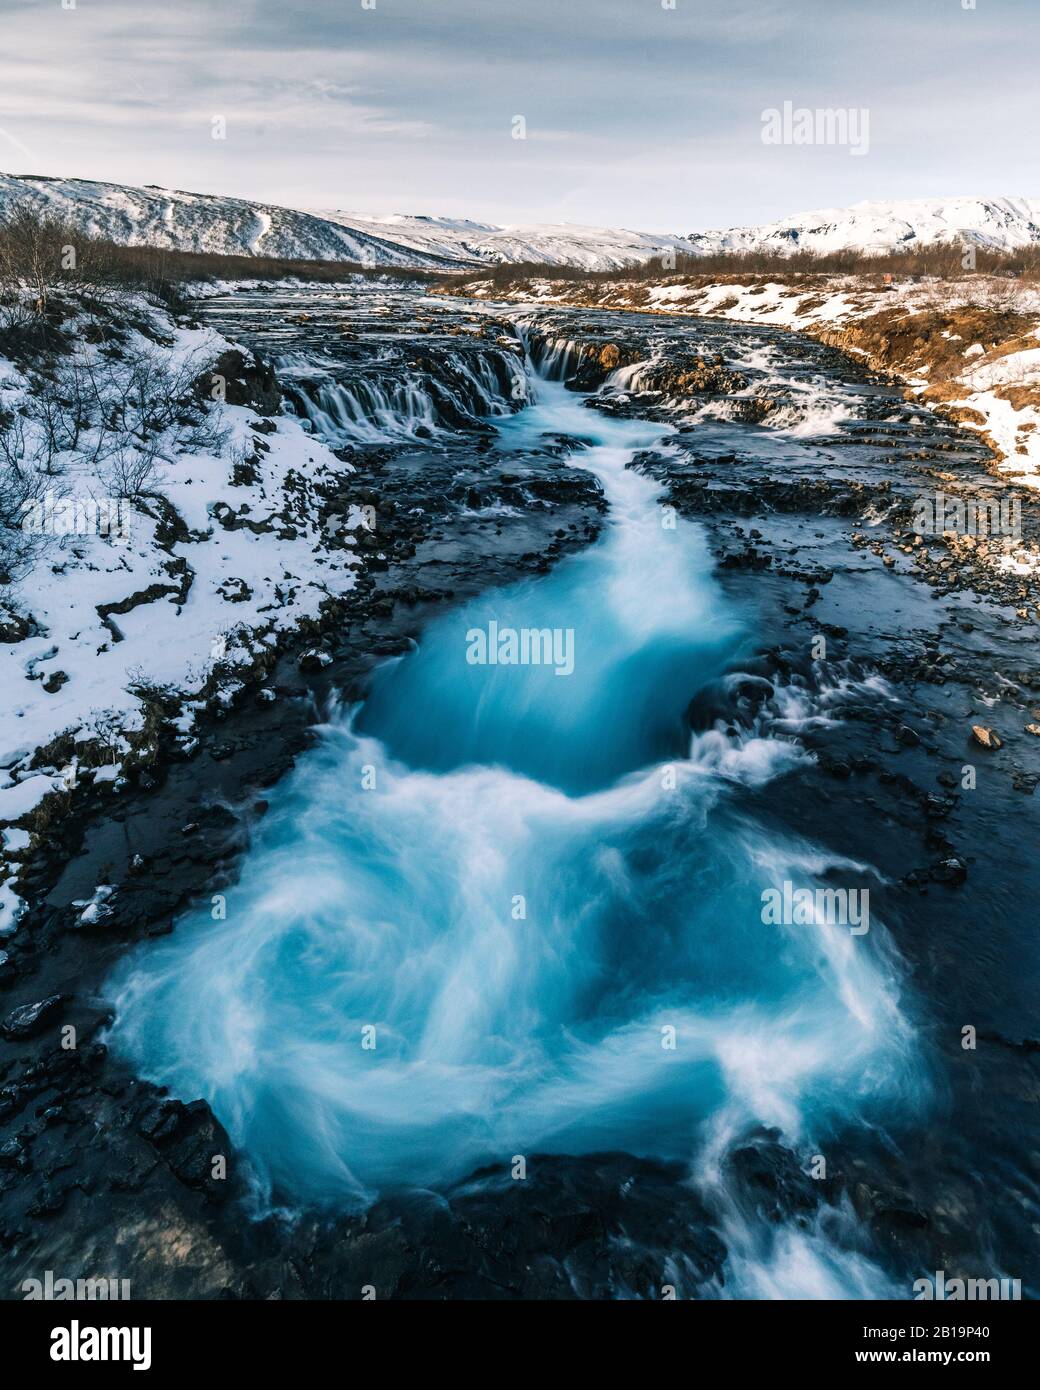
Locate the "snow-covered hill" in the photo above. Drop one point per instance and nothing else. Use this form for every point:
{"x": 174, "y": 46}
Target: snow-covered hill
{"x": 181, "y": 221}
{"x": 549, "y": 243}
{"x": 205, "y": 222}
{"x": 171, "y": 218}
{"x": 994, "y": 223}
{"x": 156, "y": 216}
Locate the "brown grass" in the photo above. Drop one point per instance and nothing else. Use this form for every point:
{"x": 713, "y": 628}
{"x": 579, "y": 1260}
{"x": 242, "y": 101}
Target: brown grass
{"x": 936, "y": 339}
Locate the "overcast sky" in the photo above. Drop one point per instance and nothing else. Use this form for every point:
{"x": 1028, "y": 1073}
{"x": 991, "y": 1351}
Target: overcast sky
{"x": 636, "y": 115}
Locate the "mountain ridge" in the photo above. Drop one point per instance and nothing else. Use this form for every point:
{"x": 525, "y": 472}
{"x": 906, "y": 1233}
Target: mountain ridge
{"x": 995, "y": 224}
{"x": 178, "y": 219}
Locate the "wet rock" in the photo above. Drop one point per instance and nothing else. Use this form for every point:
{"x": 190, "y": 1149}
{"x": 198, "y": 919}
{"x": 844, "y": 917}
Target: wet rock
{"x": 14, "y": 1154}
{"x": 952, "y": 870}
{"x": 595, "y": 1226}
{"x": 768, "y": 1178}
{"x": 685, "y": 375}
{"x": 31, "y": 1019}
{"x": 986, "y": 738}
{"x": 315, "y": 660}
{"x": 49, "y": 1200}
{"x": 734, "y": 699}
{"x": 192, "y": 1141}
{"x": 132, "y": 1167}
{"x": 891, "y": 1214}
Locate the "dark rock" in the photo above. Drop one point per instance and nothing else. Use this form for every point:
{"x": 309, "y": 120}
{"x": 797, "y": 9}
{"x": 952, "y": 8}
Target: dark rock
{"x": 768, "y": 1178}
{"x": 14, "y": 1154}
{"x": 49, "y": 1199}
{"x": 30, "y": 1019}
{"x": 244, "y": 380}
{"x": 315, "y": 660}
{"x": 189, "y": 1137}
{"x": 952, "y": 870}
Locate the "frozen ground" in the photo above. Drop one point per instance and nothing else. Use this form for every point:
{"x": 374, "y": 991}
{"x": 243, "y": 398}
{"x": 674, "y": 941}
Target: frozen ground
{"x": 191, "y": 587}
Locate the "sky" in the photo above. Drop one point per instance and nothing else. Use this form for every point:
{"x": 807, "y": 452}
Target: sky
{"x": 646, "y": 114}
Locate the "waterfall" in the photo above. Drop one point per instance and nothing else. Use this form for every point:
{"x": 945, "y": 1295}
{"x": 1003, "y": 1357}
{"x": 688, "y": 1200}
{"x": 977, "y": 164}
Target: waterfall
{"x": 380, "y": 403}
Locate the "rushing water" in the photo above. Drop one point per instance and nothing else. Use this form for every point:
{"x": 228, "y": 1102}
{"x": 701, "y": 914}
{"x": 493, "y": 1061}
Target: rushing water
{"x": 513, "y": 908}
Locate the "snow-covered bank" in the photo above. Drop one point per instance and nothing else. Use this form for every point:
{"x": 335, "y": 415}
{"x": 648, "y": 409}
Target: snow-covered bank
{"x": 169, "y": 540}
{"x": 970, "y": 346}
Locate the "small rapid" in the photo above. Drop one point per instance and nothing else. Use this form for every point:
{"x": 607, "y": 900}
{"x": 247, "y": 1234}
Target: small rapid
{"x": 513, "y": 907}
{"x": 389, "y": 402}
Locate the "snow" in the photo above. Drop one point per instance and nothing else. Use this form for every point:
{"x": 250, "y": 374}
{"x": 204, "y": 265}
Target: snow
{"x": 246, "y": 589}
{"x": 1016, "y": 368}
{"x": 22, "y": 797}
{"x": 95, "y": 908}
{"x": 203, "y": 222}
{"x": 11, "y": 908}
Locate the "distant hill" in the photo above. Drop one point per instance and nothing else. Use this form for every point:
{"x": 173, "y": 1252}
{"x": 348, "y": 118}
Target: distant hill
{"x": 205, "y": 222}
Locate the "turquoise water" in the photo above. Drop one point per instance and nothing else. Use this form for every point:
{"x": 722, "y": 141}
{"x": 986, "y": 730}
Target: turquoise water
{"x": 501, "y": 910}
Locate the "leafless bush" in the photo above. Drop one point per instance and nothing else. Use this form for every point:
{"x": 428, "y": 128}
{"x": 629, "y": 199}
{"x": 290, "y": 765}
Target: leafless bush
{"x": 132, "y": 473}
{"x": 106, "y": 725}
{"x": 122, "y": 419}
{"x": 22, "y": 484}
{"x": 41, "y": 252}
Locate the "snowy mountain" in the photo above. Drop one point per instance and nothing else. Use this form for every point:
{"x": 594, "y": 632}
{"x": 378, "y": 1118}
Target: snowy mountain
{"x": 993, "y": 223}
{"x": 171, "y": 218}
{"x": 181, "y": 221}
{"x": 206, "y": 222}
{"x": 549, "y": 243}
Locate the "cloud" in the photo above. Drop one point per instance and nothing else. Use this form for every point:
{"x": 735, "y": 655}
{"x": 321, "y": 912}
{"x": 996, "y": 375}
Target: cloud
{"x": 634, "y": 113}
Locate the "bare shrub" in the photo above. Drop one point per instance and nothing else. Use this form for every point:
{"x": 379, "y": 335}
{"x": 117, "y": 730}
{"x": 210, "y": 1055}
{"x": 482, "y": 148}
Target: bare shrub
{"x": 22, "y": 484}
{"x": 122, "y": 419}
{"x": 40, "y": 252}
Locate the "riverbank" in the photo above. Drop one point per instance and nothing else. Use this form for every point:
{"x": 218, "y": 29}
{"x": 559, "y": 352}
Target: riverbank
{"x": 970, "y": 347}
{"x": 167, "y": 538}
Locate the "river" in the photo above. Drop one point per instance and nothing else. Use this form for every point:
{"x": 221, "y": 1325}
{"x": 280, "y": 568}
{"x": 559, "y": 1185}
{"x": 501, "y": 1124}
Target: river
{"x": 512, "y": 903}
